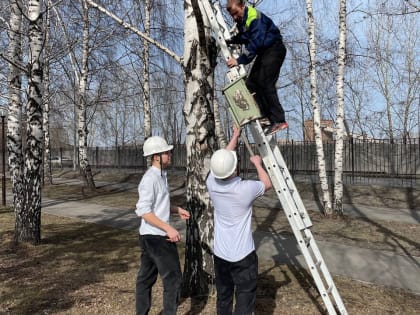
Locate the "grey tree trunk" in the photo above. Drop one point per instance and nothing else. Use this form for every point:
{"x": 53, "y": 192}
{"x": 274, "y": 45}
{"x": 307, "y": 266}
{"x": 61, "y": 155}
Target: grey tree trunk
{"x": 85, "y": 169}
{"x": 28, "y": 221}
{"x": 199, "y": 121}
{"x": 326, "y": 199}
{"x": 340, "y": 131}
{"x": 14, "y": 124}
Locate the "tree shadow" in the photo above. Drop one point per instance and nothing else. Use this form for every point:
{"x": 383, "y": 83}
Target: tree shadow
{"x": 391, "y": 239}
{"x": 287, "y": 251}
{"x": 71, "y": 256}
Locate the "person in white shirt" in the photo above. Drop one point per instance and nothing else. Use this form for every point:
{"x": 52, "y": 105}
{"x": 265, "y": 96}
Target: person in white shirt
{"x": 158, "y": 238}
{"x": 235, "y": 259}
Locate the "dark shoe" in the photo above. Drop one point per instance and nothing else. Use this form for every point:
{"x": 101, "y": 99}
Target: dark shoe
{"x": 276, "y": 127}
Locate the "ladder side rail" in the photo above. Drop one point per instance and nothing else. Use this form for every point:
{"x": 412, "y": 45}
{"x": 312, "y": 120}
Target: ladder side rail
{"x": 288, "y": 205}
{"x": 292, "y": 186}
{"x": 295, "y": 221}
{"x": 222, "y": 34}
{"x": 331, "y": 287}
{"x": 308, "y": 234}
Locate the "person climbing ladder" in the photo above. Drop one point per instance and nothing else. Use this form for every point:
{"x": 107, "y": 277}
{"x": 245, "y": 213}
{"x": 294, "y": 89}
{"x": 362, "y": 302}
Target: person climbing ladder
{"x": 262, "y": 41}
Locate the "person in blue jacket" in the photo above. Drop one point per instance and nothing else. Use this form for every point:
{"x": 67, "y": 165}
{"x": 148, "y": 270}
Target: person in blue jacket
{"x": 262, "y": 41}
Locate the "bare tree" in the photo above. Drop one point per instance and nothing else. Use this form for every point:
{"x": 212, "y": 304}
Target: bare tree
{"x": 326, "y": 199}
{"x": 199, "y": 53}
{"x": 339, "y": 129}
{"x": 47, "y": 98}
{"x": 146, "y": 68}
{"x": 85, "y": 169}
{"x": 14, "y": 125}
{"x": 28, "y": 216}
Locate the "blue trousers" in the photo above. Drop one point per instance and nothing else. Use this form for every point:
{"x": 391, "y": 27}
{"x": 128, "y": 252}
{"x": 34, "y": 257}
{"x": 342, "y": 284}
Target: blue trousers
{"x": 158, "y": 256}
{"x": 239, "y": 277}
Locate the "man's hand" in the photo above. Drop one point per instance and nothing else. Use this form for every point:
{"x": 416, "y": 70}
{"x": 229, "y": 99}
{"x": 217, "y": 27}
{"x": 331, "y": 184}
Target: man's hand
{"x": 173, "y": 235}
{"x": 236, "y": 131}
{"x": 183, "y": 214}
{"x": 256, "y": 160}
{"x": 232, "y": 62}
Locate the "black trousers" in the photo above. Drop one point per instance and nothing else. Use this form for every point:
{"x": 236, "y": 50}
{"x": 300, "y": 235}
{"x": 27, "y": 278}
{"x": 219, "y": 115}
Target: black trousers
{"x": 262, "y": 81}
{"x": 158, "y": 256}
{"x": 239, "y": 277}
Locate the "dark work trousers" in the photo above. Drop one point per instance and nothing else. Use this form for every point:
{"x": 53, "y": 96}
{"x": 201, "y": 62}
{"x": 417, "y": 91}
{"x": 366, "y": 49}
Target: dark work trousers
{"x": 158, "y": 256}
{"x": 239, "y": 277}
{"x": 262, "y": 81}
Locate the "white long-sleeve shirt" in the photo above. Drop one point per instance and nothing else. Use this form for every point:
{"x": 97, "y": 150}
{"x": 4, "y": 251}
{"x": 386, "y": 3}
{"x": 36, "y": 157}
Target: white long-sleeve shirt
{"x": 153, "y": 197}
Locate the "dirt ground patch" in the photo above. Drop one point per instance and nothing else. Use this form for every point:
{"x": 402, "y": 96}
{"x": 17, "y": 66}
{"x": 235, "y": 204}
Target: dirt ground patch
{"x": 82, "y": 268}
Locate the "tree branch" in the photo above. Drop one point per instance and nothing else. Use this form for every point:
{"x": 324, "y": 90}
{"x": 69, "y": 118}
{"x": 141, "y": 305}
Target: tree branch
{"x": 19, "y": 66}
{"x": 136, "y": 31}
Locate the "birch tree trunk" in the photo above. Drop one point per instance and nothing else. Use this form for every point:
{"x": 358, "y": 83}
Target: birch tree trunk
{"x": 199, "y": 121}
{"x": 326, "y": 199}
{"x": 146, "y": 69}
{"x": 28, "y": 221}
{"x": 220, "y": 134}
{"x": 338, "y": 165}
{"x": 46, "y": 113}
{"x": 14, "y": 124}
{"x": 85, "y": 170}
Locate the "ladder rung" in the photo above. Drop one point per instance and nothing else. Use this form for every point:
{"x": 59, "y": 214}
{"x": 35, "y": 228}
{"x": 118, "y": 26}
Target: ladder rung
{"x": 307, "y": 241}
{"x": 318, "y": 263}
{"x": 330, "y": 288}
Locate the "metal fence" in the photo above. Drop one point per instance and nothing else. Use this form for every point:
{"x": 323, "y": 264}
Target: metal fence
{"x": 364, "y": 161}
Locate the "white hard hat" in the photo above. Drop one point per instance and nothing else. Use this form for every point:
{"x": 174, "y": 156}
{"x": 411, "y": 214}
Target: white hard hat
{"x": 223, "y": 163}
{"x": 154, "y": 145}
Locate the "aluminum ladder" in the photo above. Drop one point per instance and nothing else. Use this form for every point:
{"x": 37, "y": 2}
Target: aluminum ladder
{"x": 276, "y": 167}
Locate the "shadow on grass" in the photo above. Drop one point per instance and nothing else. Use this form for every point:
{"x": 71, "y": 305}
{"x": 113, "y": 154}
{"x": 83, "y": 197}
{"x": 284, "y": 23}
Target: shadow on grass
{"x": 46, "y": 278}
{"x": 390, "y": 238}
{"x": 287, "y": 251}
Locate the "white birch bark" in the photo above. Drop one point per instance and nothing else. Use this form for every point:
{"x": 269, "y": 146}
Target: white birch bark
{"x": 198, "y": 268}
{"x": 339, "y": 145}
{"x": 326, "y": 199}
{"x": 220, "y": 134}
{"x": 85, "y": 169}
{"x": 46, "y": 100}
{"x": 28, "y": 222}
{"x": 14, "y": 124}
{"x": 146, "y": 69}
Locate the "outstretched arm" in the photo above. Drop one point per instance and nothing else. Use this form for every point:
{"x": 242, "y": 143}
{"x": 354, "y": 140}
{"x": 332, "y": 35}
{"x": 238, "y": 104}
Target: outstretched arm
{"x": 234, "y": 140}
{"x": 262, "y": 174}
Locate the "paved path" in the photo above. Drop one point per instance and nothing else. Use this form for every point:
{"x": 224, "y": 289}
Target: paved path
{"x": 375, "y": 266}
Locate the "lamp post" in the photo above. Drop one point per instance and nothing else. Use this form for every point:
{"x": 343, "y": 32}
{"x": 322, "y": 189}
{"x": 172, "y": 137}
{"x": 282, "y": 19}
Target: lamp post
{"x": 3, "y": 114}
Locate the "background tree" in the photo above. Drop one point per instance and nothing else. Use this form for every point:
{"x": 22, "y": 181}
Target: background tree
{"x": 339, "y": 124}
{"x": 326, "y": 199}
{"x": 14, "y": 124}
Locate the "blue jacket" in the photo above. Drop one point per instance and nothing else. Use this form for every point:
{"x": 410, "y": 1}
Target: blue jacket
{"x": 257, "y": 32}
